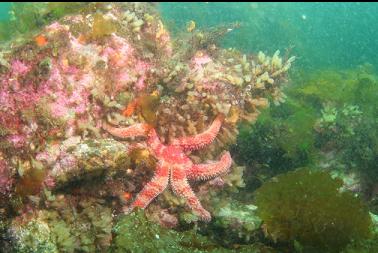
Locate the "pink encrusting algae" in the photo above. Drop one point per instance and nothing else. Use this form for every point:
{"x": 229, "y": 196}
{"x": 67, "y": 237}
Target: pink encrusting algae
{"x": 18, "y": 68}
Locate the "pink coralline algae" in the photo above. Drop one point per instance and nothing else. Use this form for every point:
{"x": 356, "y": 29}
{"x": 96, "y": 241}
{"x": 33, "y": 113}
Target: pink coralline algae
{"x": 16, "y": 140}
{"x": 119, "y": 53}
{"x": 18, "y": 68}
{"x": 124, "y": 61}
{"x": 74, "y": 103}
{"x": 16, "y": 94}
{"x": 201, "y": 59}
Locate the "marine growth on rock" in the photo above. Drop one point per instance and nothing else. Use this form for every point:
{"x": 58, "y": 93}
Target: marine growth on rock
{"x": 92, "y": 65}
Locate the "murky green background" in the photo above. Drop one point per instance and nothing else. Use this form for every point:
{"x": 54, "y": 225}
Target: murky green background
{"x": 320, "y": 34}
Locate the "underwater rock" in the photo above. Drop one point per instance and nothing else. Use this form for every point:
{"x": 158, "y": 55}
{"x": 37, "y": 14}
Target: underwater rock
{"x": 236, "y": 223}
{"x": 86, "y": 158}
{"x": 84, "y": 66}
{"x": 66, "y": 227}
{"x": 130, "y": 230}
{"x": 34, "y": 236}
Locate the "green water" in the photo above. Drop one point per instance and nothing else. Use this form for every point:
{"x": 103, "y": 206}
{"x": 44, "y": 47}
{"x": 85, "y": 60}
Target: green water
{"x": 4, "y": 11}
{"x": 320, "y": 34}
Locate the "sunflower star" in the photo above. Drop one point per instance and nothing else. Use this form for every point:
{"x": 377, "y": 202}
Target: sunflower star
{"x": 174, "y": 167}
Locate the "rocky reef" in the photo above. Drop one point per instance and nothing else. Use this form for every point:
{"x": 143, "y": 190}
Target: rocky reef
{"x": 103, "y": 109}
{"x": 85, "y": 66}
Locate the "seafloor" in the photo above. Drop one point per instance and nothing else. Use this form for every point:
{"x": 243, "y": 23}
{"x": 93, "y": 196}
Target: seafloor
{"x": 118, "y": 136}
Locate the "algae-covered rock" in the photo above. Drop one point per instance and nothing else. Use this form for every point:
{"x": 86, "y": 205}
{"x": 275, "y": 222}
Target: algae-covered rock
{"x": 74, "y": 67}
{"x": 135, "y": 233}
{"x": 34, "y": 236}
{"x": 88, "y": 158}
{"x": 235, "y": 223}
{"x": 67, "y": 228}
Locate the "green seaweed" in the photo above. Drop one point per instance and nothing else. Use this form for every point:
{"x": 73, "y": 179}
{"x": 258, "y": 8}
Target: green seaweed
{"x": 325, "y": 85}
{"x": 134, "y": 233}
{"x": 35, "y": 237}
{"x": 27, "y": 18}
{"x": 102, "y": 26}
{"x": 326, "y": 112}
{"x": 280, "y": 140}
{"x": 369, "y": 245}
{"x": 307, "y": 207}
{"x": 348, "y": 106}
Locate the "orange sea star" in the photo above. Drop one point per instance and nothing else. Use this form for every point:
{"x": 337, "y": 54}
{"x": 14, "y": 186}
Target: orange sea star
{"x": 174, "y": 167}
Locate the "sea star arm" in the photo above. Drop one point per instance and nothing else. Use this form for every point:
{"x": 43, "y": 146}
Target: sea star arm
{"x": 200, "y": 140}
{"x": 182, "y": 188}
{"x": 130, "y": 131}
{"x": 153, "y": 188}
{"x": 210, "y": 170}
{"x": 154, "y": 143}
